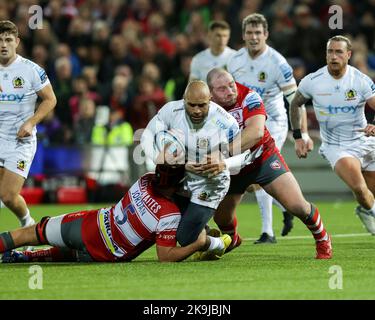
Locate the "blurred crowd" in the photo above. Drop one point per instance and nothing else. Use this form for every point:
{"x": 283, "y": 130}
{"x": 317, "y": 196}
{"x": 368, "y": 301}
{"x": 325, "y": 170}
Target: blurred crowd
{"x": 134, "y": 55}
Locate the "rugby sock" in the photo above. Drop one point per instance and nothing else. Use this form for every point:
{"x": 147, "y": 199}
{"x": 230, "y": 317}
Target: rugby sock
{"x": 54, "y": 254}
{"x": 6, "y": 242}
{"x": 372, "y": 210}
{"x": 215, "y": 243}
{"x": 231, "y": 229}
{"x": 26, "y": 220}
{"x": 315, "y": 224}
{"x": 265, "y": 206}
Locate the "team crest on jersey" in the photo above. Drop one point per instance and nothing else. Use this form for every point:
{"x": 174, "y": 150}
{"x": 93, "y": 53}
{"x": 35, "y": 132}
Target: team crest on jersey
{"x": 203, "y": 143}
{"x": 21, "y": 165}
{"x": 18, "y": 82}
{"x": 262, "y": 76}
{"x": 350, "y": 94}
{"x": 204, "y": 196}
{"x": 275, "y": 165}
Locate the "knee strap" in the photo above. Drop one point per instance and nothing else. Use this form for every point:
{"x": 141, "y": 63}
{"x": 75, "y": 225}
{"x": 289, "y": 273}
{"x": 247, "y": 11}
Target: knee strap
{"x": 40, "y": 230}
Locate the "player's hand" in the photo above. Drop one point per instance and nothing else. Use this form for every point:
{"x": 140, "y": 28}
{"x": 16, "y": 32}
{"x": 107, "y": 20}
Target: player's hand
{"x": 25, "y": 130}
{"x": 301, "y": 148}
{"x": 369, "y": 130}
{"x": 212, "y": 167}
{"x": 193, "y": 167}
{"x": 310, "y": 144}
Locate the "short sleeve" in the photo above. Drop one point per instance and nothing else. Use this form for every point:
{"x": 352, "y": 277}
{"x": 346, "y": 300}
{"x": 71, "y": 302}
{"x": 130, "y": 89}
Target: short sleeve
{"x": 252, "y": 105}
{"x": 39, "y": 78}
{"x": 304, "y": 88}
{"x": 166, "y": 230}
{"x": 368, "y": 87}
{"x": 284, "y": 76}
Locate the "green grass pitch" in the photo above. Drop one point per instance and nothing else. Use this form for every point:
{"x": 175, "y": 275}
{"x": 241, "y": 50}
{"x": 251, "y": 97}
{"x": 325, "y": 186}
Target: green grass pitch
{"x": 286, "y": 270}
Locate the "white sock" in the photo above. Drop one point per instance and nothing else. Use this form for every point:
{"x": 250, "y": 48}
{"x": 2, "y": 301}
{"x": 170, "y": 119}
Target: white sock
{"x": 372, "y": 210}
{"x": 278, "y": 204}
{"x": 26, "y": 220}
{"x": 216, "y": 243}
{"x": 265, "y": 205}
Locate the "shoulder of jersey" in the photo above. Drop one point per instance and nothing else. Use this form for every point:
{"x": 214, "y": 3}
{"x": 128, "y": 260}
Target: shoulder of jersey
{"x": 201, "y": 54}
{"x": 276, "y": 56}
{"x": 317, "y": 74}
{"x": 29, "y": 63}
{"x": 174, "y": 107}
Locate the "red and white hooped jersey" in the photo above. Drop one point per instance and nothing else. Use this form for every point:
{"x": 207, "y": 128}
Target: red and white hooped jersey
{"x": 140, "y": 219}
{"x": 249, "y": 104}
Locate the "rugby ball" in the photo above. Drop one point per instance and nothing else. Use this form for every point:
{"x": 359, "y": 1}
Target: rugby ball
{"x": 173, "y": 138}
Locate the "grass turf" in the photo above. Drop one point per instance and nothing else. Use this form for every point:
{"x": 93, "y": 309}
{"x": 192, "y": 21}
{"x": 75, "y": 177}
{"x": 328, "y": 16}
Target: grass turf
{"x": 286, "y": 270}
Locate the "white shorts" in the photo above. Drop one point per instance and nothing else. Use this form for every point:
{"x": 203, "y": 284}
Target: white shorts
{"x": 363, "y": 150}
{"x": 208, "y": 192}
{"x": 278, "y": 130}
{"x": 17, "y": 155}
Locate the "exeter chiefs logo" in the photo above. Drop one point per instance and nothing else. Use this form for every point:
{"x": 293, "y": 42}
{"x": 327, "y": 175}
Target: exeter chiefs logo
{"x": 18, "y": 82}
{"x": 262, "y": 76}
{"x": 350, "y": 94}
{"x": 203, "y": 196}
{"x": 21, "y": 165}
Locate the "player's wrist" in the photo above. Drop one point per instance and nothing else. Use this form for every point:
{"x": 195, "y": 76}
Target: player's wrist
{"x": 297, "y": 134}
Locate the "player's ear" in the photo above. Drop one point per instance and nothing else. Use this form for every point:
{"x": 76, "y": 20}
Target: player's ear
{"x": 349, "y": 54}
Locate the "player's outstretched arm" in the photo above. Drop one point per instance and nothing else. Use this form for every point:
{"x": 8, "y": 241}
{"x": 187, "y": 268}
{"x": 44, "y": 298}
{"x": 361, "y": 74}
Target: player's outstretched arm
{"x": 48, "y": 103}
{"x": 175, "y": 254}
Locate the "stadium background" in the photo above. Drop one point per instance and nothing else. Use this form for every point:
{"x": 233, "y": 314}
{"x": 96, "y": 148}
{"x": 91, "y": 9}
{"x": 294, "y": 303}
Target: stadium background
{"x": 114, "y": 63}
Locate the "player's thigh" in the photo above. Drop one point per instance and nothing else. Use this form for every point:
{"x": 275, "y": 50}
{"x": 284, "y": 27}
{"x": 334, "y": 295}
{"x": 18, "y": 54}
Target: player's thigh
{"x": 287, "y": 191}
{"x": 10, "y": 183}
{"x": 369, "y": 177}
{"x": 349, "y": 170}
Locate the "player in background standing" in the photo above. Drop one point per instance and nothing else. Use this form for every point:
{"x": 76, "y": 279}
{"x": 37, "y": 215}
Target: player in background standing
{"x": 144, "y": 216}
{"x": 267, "y": 168}
{"x": 21, "y": 83}
{"x": 263, "y": 69}
{"x": 339, "y": 93}
{"x": 216, "y": 55}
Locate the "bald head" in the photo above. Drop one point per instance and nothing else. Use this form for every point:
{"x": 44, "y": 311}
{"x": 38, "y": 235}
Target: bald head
{"x": 197, "y": 89}
{"x": 223, "y": 88}
{"x": 197, "y": 100}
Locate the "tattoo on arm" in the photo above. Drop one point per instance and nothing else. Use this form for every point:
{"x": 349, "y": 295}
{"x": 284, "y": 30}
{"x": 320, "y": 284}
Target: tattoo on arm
{"x": 295, "y": 115}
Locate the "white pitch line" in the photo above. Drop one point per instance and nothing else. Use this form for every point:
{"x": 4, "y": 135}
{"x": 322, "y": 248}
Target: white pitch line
{"x": 345, "y": 235}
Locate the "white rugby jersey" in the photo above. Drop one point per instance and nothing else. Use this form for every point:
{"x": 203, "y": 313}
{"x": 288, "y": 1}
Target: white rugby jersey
{"x": 19, "y": 83}
{"x": 204, "y": 61}
{"x": 266, "y": 74}
{"x": 218, "y": 129}
{"x": 338, "y": 103}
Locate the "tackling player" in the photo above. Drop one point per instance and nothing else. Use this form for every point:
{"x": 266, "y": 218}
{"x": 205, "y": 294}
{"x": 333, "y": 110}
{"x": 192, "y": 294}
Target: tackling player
{"x": 268, "y": 169}
{"x": 21, "y": 83}
{"x": 144, "y": 216}
{"x": 339, "y": 93}
{"x": 263, "y": 69}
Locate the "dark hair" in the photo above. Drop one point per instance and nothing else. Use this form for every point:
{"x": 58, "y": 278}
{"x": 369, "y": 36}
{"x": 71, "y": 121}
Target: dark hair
{"x": 341, "y": 38}
{"x": 7, "y": 26}
{"x": 218, "y": 24}
{"x": 167, "y": 176}
{"x": 255, "y": 19}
